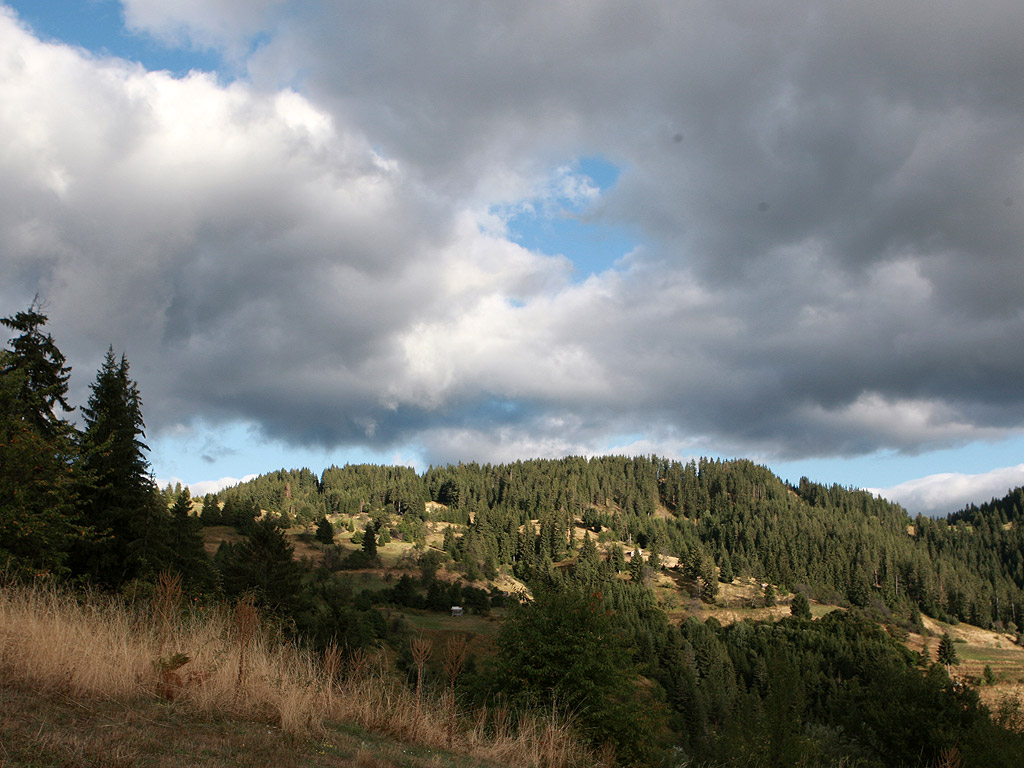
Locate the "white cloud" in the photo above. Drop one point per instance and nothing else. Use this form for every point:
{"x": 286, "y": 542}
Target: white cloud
{"x": 944, "y": 493}
{"x": 828, "y": 261}
{"x": 204, "y": 487}
{"x": 902, "y": 422}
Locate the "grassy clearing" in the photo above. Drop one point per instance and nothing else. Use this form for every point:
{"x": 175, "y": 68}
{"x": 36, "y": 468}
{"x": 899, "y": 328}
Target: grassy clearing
{"x": 217, "y": 687}
{"x": 977, "y": 648}
{"x": 442, "y": 622}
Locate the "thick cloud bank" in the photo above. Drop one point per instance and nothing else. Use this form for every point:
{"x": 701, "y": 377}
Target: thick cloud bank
{"x": 827, "y": 198}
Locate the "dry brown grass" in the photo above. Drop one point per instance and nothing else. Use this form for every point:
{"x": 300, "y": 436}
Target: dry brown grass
{"x": 224, "y": 662}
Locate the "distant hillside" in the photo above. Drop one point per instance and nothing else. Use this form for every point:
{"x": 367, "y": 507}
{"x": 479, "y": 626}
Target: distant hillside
{"x": 705, "y": 608}
{"x": 839, "y": 544}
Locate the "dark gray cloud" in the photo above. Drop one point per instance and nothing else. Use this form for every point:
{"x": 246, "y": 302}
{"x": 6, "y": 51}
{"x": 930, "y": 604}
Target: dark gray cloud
{"x": 828, "y": 195}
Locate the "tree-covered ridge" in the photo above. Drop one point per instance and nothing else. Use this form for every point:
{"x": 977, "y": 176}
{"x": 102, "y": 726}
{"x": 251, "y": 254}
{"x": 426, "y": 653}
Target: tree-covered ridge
{"x": 840, "y": 543}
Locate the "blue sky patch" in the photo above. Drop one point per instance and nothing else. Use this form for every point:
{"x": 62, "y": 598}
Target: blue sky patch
{"x": 566, "y": 220}
{"x": 98, "y": 26}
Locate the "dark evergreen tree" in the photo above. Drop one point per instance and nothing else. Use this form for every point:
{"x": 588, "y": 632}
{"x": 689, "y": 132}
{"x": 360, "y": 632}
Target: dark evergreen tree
{"x": 449, "y": 493}
{"x": 654, "y": 561}
{"x": 617, "y": 558}
{"x": 725, "y": 571}
{"x": 369, "y": 543}
{"x": 325, "y": 531}
{"x": 119, "y": 497}
{"x": 39, "y": 374}
{"x": 562, "y": 649}
{"x": 947, "y": 655}
{"x": 264, "y": 564}
{"x": 39, "y": 523}
{"x": 592, "y": 519}
{"x": 801, "y": 606}
{"x": 284, "y": 520}
{"x": 636, "y": 567}
{"x": 211, "y": 514}
{"x": 859, "y": 590}
{"x": 188, "y": 555}
{"x": 449, "y": 544}
{"x": 708, "y": 580}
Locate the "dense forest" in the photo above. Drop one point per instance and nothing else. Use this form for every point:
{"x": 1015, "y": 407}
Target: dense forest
{"x": 730, "y": 517}
{"x": 584, "y": 537}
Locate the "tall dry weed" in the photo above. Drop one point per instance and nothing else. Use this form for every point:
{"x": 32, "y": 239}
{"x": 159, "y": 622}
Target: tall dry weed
{"x": 166, "y": 605}
{"x": 422, "y": 649}
{"x": 455, "y": 652}
{"x": 53, "y": 641}
{"x": 225, "y": 661}
{"x": 949, "y": 758}
{"x": 246, "y": 622}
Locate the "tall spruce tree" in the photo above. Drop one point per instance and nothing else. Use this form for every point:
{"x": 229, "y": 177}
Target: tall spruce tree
{"x": 211, "y": 514}
{"x": 39, "y": 370}
{"x": 325, "y": 531}
{"x": 801, "y": 606}
{"x": 119, "y": 497}
{"x": 369, "y": 543}
{"x": 564, "y": 651}
{"x": 947, "y": 655}
{"x": 188, "y": 556}
{"x": 264, "y": 564}
{"x": 38, "y": 520}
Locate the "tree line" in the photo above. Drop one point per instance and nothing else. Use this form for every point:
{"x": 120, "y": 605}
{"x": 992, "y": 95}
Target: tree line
{"x": 719, "y": 519}
{"x": 81, "y": 503}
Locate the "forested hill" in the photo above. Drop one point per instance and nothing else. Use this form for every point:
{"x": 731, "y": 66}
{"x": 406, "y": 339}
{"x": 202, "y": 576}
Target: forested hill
{"x": 733, "y": 517}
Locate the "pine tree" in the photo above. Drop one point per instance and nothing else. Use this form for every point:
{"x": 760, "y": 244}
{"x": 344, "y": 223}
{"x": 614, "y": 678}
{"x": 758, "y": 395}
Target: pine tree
{"x": 211, "y": 514}
{"x": 801, "y": 606}
{"x": 726, "y": 574}
{"x": 947, "y": 656}
{"x": 563, "y": 650}
{"x": 119, "y": 497}
{"x": 859, "y": 588}
{"x": 369, "y": 543}
{"x": 636, "y": 567}
{"x": 617, "y": 558}
{"x": 654, "y": 561}
{"x": 448, "y": 544}
{"x": 188, "y": 555}
{"x": 264, "y": 564}
{"x": 39, "y": 374}
{"x": 325, "y": 531}
{"x": 708, "y": 580}
{"x": 39, "y": 523}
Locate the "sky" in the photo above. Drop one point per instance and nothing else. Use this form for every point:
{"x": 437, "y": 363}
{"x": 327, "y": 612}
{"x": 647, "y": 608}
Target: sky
{"x": 329, "y": 232}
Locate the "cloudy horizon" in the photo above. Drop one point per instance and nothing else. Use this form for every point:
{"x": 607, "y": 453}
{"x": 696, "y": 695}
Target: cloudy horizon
{"x": 425, "y": 233}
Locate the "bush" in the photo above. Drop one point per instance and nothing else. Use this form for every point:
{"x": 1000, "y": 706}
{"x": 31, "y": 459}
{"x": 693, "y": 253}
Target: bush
{"x": 563, "y": 651}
